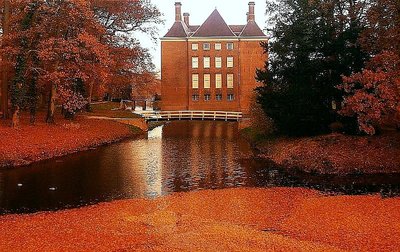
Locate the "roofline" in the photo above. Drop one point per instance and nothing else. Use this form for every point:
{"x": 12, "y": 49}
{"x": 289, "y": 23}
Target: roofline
{"x": 209, "y": 17}
{"x": 173, "y": 39}
{"x": 259, "y": 38}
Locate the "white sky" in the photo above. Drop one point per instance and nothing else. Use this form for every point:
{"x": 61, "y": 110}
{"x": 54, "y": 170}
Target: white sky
{"x": 233, "y": 11}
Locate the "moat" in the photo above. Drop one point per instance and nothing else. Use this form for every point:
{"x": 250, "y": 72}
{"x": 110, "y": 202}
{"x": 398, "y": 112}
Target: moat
{"x": 177, "y": 157}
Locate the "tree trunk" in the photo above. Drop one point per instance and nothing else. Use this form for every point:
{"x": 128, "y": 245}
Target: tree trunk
{"x": 15, "y": 118}
{"x": 4, "y": 78}
{"x": 52, "y": 105}
{"x": 88, "y": 107}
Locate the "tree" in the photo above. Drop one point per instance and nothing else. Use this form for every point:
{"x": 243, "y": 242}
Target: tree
{"x": 4, "y": 73}
{"x": 314, "y": 43}
{"x": 123, "y": 20}
{"x": 67, "y": 49}
{"x": 373, "y": 94}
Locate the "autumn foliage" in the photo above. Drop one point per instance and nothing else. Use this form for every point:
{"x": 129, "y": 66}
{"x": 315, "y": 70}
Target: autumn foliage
{"x": 66, "y": 51}
{"x": 332, "y": 63}
{"x": 373, "y": 95}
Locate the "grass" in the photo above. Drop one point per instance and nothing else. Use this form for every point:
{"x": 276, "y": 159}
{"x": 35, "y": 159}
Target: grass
{"x": 106, "y": 110}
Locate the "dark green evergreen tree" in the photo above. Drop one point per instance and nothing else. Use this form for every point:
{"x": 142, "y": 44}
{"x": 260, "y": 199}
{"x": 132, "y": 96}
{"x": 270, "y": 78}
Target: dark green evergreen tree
{"x": 313, "y": 44}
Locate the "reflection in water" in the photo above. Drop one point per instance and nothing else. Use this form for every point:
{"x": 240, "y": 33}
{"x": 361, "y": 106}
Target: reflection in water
{"x": 179, "y": 156}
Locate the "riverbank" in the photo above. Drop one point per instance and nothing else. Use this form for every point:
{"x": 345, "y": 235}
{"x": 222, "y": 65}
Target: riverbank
{"x": 28, "y": 144}
{"x": 335, "y": 153}
{"x": 276, "y": 219}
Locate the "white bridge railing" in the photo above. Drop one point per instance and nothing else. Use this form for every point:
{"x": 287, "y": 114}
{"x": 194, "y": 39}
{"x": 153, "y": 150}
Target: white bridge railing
{"x": 190, "y": 115}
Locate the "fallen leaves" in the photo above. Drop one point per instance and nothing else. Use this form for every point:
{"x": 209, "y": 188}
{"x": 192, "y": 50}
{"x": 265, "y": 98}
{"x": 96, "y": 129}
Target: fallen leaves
{"x": 275, "y": 219}
{"x": 336, "y": 153}
{"x": 28, "y": 144}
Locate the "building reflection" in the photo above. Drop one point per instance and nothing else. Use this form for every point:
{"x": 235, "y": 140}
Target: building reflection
{"x": 206, "y": 159}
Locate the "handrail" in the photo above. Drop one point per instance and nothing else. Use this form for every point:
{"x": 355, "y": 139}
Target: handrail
{"x": 191, "y": 114}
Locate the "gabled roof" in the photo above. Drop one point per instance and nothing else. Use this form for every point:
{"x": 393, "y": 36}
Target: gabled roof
{"x": 252, "y": 30}
{"x": 194, "y": 28}
{"x": 178, "y": 29}
{"x": 214, "y": 26}
{"x": 237, "y": 28}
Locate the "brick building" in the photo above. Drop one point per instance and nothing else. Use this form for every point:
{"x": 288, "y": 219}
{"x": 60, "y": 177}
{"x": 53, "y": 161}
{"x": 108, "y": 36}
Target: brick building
{"x": 210, "y": 66}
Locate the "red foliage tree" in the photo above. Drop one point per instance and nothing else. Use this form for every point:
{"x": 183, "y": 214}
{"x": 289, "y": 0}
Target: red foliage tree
{"x": 374, "y": 93}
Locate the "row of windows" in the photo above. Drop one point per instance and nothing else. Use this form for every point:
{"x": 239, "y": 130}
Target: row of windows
{"x": 207, "y": 82}
{"x": 217, "y": 46}
{"x": 218, "y": 97}
{"x": 206, "y": 62}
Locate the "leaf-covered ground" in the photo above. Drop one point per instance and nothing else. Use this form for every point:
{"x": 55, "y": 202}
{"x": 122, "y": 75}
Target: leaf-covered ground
{"x": 336, "y": 153}
{"x": 275, "y": 219}
{"x": 28, "y": 144}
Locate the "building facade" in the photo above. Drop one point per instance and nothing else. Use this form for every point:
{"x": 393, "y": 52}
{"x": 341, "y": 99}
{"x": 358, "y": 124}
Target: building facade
{"x": 210, "y": 66}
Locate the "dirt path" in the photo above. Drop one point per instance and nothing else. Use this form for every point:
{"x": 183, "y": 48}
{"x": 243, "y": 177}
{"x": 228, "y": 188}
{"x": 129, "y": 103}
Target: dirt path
{"x": 278, "y": 219}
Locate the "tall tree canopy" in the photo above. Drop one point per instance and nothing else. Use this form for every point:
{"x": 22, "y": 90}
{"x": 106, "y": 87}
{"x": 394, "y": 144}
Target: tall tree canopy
{"x": 373, "y": 94}
{"x": 67, "y": 49}
{"x": 313, "y": 44}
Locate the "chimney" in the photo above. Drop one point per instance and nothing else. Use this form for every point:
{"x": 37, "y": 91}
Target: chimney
{"x": 186, "y": 18}
{"x": 251, "y": 16}
{"x": 247, "y": 17}
{"x": 178, "y": 12}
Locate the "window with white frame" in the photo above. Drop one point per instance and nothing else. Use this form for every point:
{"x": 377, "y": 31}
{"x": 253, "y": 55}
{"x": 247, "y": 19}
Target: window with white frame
{"x": 229, "y": 46}
{"x": 195, "y": 97}
{"x": 207, "y": 81}
{"x": 195, "y": 47}
{"x": 218, "y": 46}
{"x": 206, "y": 46}
{"x": 195, "y": 62}
{"x": 218, "y": 62}
{"x": 229, "y": 62}
{"x": 218, "y": 81}
{"x": 206, "y": 62}
{"x": 195, "y": 81}
{"x": 229, "y": 80}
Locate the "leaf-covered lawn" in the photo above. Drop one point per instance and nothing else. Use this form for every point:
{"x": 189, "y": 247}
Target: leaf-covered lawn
{"x": 28, "y": 144}
{"x": 109, "y": 109}
{"x": 337, "y": 153}
{"x": 242, "y": 219}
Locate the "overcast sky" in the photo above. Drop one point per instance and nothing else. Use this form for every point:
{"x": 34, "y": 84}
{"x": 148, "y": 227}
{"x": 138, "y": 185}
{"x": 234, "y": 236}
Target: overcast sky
{"x": 233, "y": 11}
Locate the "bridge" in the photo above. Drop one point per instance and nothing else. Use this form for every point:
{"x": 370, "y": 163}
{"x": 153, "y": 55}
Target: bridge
{"x": 190, "y": 115}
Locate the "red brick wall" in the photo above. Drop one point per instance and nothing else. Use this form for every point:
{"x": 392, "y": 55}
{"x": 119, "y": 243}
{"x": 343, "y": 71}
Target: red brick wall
{"x": 174, "y": 74}
{"x": 251, "y": 58}
{"x": 177, "y": 73}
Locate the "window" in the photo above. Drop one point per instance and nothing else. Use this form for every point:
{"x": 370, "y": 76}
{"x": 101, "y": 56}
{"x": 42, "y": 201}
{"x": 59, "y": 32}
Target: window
{"x": 218, "y": 46}
{"x": 206, "y": 80}
{"x": 195, "y": 97}
{"x": 207, "y": 97}
{"x": 206, "y": 46}
{"x": 218, "y": 80}
{"x": 195, "y": 62}
{"x": 229, "y": 46}
{"x": 195, "y": 81}
{"x": 218, "y": 62}
{"x": 229, "y": 80}
{"x": 206, "y": 62}
{"x": 195, "y": 47}
{"x": 229, "y": 62}
{"x": 231, "y": 97}
{"x": 218, "y": 97}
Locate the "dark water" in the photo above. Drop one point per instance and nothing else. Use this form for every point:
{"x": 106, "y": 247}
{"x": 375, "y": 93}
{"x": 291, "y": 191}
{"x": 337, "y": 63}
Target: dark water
{"x": 180, "y": 156}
